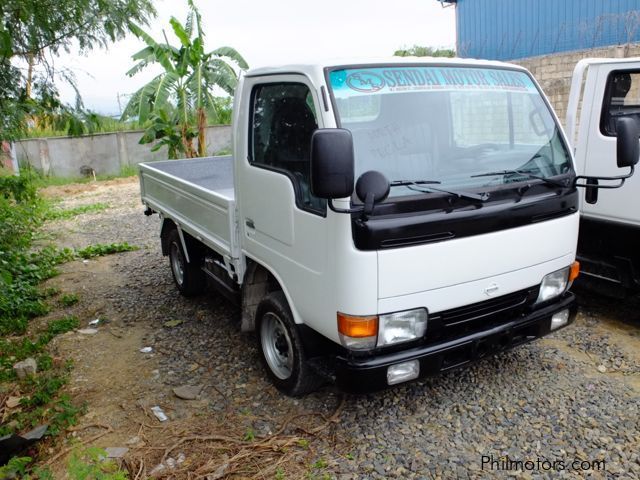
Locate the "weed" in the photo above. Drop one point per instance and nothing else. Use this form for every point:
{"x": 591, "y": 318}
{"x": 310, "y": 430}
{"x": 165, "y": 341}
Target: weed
{"x": 64, "y": 414}
{"x": 279, "y": 474}
{"x": 249, "y": 435}
{"x": 59, "y": 214}
{"x": 12, "y": 351}
{"x": 91, "y": 464}
{"x": 16, "y": 468}
{"x": 105, "y": 249}
{"x": 45, "y": 362}
{"x": 41, "y": 181}
{"x": 303, "y": 443}
{"x": 320, "y": 464}
{"x": 69, "y": 299}
{"x": 129, "y": 171}
{"x": 349, "y": 456}
{"x": 50, "y": 292}
{"x": 62, "y": 325}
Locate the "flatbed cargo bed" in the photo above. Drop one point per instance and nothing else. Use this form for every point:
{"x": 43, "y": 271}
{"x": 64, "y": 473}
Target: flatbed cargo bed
{"x": 199, "y": 196}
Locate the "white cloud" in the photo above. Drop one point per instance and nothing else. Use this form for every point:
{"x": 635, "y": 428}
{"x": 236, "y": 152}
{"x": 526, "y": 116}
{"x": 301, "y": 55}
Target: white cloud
{"x": 270, "y": 32}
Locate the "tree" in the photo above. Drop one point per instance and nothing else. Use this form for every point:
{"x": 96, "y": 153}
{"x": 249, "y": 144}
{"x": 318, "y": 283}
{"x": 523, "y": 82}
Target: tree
{"x": 33, "y": 31}
{"x": 418, "y": 51}
{"x": 179, "y": 102}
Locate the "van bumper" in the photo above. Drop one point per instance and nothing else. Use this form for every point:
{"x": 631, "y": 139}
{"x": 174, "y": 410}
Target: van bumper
{"x": 365, "y": 374}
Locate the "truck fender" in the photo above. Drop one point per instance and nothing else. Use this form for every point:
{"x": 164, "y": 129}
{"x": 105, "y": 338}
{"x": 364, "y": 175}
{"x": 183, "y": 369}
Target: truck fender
{"x": 258, "y": 281}
{"x": 167, "y": 226}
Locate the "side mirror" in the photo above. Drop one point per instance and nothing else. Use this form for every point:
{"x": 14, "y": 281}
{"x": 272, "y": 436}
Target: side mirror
{"x": 627, "y": 143}
{"x": 332, "y": 163}
{"x": 372, "y": 187}
{"x": 627, "y": 154}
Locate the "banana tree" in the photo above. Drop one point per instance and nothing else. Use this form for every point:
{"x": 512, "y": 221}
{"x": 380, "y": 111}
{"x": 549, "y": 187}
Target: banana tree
{"x": 181, "y": 96}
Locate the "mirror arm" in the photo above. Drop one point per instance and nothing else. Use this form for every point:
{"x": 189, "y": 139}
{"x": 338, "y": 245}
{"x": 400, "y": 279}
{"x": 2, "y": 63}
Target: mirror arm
{"x": 344, "y": 210}
{"x": 622, "y": 179}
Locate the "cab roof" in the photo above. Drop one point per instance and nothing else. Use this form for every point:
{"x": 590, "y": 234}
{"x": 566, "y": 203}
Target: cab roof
{"x": 311, "y": 69}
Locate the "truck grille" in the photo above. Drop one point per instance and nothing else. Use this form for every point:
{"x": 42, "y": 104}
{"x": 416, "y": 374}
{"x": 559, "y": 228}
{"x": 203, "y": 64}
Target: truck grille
{"x": 461, "y": 321}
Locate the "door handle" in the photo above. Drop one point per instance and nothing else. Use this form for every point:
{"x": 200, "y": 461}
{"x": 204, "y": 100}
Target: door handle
{"x": 249, "y": 223}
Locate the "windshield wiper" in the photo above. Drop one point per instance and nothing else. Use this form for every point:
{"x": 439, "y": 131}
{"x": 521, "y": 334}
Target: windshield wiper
{"x": 426, "y": 186}
{"x": 524, "y": 173}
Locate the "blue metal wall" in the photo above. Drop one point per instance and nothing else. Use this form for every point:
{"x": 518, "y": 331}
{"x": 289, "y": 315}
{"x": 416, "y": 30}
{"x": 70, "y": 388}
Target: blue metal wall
{"x": 511, "y": 29}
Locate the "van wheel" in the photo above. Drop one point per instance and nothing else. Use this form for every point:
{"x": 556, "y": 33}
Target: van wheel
{"x": 189, "y": 278}
{"x": 281, "y": 348}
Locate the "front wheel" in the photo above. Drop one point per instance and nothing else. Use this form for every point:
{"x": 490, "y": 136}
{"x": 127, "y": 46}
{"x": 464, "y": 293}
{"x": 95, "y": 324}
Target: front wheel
{"x": 281, "y": 348}
{"x": 188, "y": 276}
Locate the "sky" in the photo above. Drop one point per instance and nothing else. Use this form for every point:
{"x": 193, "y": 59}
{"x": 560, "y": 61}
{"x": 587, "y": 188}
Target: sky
{"x": 266, "y": 33}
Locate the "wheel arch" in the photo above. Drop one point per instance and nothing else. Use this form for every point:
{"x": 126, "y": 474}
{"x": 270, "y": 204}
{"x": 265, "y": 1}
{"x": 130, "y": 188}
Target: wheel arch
{"x": 260, "y": 280}
{"x": 193, "y": 248}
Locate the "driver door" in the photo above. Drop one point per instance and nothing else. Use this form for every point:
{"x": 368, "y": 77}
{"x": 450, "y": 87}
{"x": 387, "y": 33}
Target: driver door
{"x": 284, "y": 225}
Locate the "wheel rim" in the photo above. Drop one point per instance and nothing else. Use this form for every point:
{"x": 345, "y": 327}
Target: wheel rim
{"x": 177, "y": 263}
{"x": 277, "y": 346}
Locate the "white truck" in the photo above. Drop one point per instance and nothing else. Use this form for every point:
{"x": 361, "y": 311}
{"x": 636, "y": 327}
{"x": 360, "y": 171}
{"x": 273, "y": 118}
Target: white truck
{"x": 457, "y": 240}
{"x": 604, "y": 90}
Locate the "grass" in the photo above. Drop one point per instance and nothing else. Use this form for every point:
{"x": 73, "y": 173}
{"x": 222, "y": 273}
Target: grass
{"x": 42, "y": 181}
{"x": 69, "y": 299}
{"x": 22, "y": 270}
{"x": 60, "y": 214}
{"x": 15, "y": 350}
{"x": 83, "y": 464}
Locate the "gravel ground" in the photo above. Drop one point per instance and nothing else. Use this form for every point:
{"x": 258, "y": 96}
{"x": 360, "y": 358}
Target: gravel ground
{"x": 573, "y": 395}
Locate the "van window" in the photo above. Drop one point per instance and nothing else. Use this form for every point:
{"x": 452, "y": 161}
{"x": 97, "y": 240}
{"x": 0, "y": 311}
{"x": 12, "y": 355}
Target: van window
{"x": 621, "y": 99}
{"x": 282, "y": 122}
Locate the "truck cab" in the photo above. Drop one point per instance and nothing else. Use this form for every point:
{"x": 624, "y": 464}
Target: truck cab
{"x": 603, "y": 91}
{"x": 384, "y": 221}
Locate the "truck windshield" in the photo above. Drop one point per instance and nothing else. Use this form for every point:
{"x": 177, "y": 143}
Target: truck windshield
{"x": 448, "y": 124}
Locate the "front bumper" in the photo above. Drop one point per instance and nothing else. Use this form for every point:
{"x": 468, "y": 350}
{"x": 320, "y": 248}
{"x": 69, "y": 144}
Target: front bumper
{"x": 364, "y": 374}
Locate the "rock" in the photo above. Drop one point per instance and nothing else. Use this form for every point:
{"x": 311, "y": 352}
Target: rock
{"x": 172, "y": 323}
{"x": 146, "y": 350}
{"x": 134, "y": 442}
{"x": 158, "y": 470}
{"x": 602, "y": 369}
{"x": 116, "y": 452}
{"x": 159, "y": 413}
{"x": 188, "y": 392}
{"x": 26, "y": 368}
{"x": 88, "y": 331}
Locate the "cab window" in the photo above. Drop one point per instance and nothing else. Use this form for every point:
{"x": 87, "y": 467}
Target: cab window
{"x": 282, "y": 122}
{"x": 621, "y": 99}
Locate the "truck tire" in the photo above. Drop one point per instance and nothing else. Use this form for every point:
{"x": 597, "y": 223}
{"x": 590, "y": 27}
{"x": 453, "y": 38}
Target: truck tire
{"x": 281, "y": 348}
{"x": 189, "y": 277}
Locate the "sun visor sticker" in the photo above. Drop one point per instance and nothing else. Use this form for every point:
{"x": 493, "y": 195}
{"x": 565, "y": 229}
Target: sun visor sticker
{"x": 368, "y": 81}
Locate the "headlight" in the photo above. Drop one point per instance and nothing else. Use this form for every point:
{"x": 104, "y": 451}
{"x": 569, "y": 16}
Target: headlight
{"x": 553, "y": 285}
{"x": 402, "y": 326}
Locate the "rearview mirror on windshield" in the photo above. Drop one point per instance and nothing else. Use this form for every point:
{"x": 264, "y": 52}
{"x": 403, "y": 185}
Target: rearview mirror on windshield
{"x": 627, "y": 145}
{"x": 332, "y": 163}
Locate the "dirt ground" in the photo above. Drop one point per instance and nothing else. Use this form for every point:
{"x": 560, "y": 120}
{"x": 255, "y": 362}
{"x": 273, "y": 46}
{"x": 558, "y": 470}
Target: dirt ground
{"x": 573, "y": 394}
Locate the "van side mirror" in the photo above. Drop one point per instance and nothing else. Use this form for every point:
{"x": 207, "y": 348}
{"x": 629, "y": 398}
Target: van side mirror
{"x": 332, "y": 163}
{"x": 628, "y": 142}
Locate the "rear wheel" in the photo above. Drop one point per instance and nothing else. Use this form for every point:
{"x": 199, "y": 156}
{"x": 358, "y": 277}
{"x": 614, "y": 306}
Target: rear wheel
{"x": 188, "y": 276}
{"x": 281, "y": 348}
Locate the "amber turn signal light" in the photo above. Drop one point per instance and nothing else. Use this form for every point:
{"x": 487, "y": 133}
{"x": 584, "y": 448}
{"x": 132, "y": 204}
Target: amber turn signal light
{"x": 574, "y": 272}
{"x": 357, "y": 327}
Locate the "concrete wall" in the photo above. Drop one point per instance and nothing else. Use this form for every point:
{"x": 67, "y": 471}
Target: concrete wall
{"x": 106, "y": 153}
{"x": 553, "y": 72}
